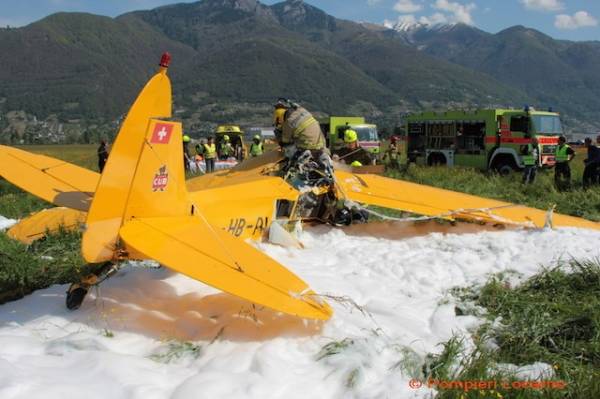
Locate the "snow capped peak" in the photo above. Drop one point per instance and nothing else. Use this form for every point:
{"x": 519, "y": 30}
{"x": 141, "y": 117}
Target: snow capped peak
{"x": 405, "y": 26}
{"x": 408, "y": 23}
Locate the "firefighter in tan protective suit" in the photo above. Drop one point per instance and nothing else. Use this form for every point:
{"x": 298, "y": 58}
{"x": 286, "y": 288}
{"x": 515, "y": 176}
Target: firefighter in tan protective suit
{"x": 299, "y": 130}
{"x": 300, "y": 136}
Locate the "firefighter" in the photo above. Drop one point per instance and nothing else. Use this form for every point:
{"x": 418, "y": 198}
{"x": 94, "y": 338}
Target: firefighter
{"x": 102, "y": 155}
{"x": 530, "y": 157}
{"x": 226, "y": 149}
{"x": 590, "y": 173}
{"x": 210, "y": 153}
{"x": 353, "y": 154}
{"x": 278, "y": 114}
{"x": 300, "y": 132}
{"x": 256, "y": 148}
{"x": 562, "y": 171}
{"x": 186, "y": 152}
{"x": 392, "y": 154}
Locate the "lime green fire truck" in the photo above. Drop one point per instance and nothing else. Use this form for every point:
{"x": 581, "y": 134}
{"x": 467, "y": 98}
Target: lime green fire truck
{"x": 483, "y": 139}
{"x": 334, "y": 129}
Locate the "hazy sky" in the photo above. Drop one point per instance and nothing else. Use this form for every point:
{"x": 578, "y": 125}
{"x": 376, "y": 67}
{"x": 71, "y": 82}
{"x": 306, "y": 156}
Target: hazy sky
{"x": 565, "y": 19}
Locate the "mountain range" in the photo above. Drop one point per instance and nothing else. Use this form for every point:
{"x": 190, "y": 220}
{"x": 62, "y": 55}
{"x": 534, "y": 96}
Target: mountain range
{"x": 232, "y": 58}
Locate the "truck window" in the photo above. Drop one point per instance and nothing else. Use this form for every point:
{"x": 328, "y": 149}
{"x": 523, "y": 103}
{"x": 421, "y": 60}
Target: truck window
{"x": 416, "y": 137}
{"x": 519, "y": 124}
{"x": 470, "y": 136}
{"x": 547, "y": 124}
{"x": 367, "y": 133}
{"x": 441, "y": 135}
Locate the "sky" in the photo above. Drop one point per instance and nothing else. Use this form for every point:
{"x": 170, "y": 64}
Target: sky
{"x": 562, "y": 19}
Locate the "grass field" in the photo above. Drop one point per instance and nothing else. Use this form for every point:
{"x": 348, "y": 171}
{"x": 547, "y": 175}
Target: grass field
{"x": 553, "y": 318}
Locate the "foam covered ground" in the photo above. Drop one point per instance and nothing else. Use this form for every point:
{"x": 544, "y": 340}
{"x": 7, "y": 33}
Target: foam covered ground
{"x": 120, "y": 343}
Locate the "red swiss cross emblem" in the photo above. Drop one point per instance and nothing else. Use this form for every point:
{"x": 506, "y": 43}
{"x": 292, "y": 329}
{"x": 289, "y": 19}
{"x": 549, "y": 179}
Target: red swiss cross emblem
{"x": 161, "y": 134}
{"x": 161, "y": 179}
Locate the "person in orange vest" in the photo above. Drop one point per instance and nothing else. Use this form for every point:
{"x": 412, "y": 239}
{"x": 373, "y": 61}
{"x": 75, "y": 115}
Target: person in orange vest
{"x": 210, "y": 154}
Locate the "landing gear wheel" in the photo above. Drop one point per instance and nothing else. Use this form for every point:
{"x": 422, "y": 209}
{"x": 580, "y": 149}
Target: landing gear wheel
{"x": 75, "y": 296}
{"x": 77, "y": 291}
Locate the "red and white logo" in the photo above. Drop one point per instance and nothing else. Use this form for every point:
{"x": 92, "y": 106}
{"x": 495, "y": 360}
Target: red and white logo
{"x": 162, "y": 133}
{"x": 161, "y": 179}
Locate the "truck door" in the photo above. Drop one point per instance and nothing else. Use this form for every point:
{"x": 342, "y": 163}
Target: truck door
{"x": 470, "y": 143}
{"x": 415, "y": 145}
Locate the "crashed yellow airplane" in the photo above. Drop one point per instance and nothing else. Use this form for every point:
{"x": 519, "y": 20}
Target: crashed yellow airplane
{"x": 141, "y": 207}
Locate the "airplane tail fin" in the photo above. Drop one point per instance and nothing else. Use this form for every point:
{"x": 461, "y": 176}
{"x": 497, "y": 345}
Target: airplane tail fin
{"x": 161, "y": 222}
{"x": 106, "y": 212}
{"x": 158, "y": 186}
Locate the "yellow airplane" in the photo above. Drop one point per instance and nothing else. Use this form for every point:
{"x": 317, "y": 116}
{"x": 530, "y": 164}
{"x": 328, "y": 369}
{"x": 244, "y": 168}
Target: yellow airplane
{"x": 141, "y": 207}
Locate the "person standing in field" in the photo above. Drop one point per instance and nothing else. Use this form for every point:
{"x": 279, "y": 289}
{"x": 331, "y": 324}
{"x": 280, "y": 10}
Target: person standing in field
{"x": 186, "y": 152}
{"x": 392, "y": 154}
{"x": 210, "y": 153}
{"x": 530, "y": 161}
{"x": 226, "y": 149}
{"x": 562, "y": 170}
{"x": 102, "y": 155}
{"x": 592, "y": 162}
{"x": 256, "y": 148}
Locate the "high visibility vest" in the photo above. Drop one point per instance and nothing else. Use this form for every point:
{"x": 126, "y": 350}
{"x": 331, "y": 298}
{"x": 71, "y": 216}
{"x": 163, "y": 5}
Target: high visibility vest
{"x": 529, "y": 159}
{"x": 210, "y": 151}
{"x": 225, "y": 149}
{"x": 561, "y": 153}
{"x": 256, "y": 149}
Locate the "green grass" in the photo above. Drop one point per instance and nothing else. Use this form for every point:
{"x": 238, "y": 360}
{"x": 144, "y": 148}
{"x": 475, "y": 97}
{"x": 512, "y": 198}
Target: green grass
{"x": 174, "y": 350}
{"x": 79, "y": 154}
{"x": 53, "y": 260}
{"x": 554, "y": 317}
{"x": 14, "y": 203}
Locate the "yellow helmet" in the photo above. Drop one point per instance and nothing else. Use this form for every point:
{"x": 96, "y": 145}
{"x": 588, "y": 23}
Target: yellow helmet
{"x": 257, "y": 137}
{"x": 226, "y": 137}
{"x": 356, "y": 164}
{"x": 278, "y": 116}
{"x": 350, "y": 136}
{"x": 186, "y": 138}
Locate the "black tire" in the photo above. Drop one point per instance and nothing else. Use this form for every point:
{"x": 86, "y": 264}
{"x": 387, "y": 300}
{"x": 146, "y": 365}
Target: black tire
{"x": 504, "y": 169}
{"x": 504, "y": 165}
{"x": 75, "y": 296}
{"x": 436, "y": 159}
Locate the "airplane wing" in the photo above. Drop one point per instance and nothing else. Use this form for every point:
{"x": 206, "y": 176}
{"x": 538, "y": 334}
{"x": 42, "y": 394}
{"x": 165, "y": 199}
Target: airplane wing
{"x": 189, "y": 245}
{"x": 38, "y": 224}
{"x": 50, "y": 179}
{"x": 431, "y": 201}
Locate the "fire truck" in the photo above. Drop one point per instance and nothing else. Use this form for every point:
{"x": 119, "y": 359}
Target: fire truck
{"x": 335, "y": 127}
{"x": 487, "y": 139}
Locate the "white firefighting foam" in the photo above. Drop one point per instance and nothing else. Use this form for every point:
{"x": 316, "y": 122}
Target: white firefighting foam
{"x": 120, "y": 344}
